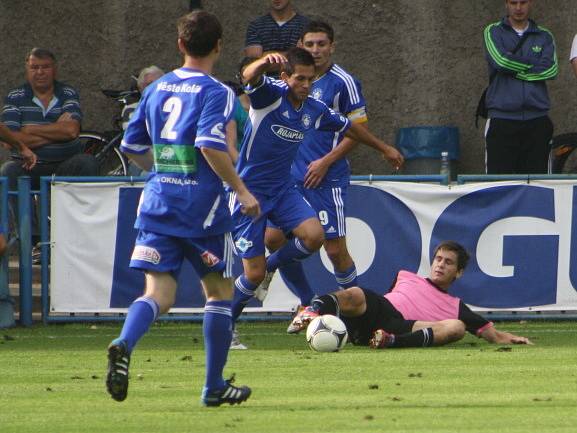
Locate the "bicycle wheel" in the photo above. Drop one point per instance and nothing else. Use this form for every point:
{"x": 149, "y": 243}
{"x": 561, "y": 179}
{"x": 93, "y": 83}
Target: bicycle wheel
{"x": 111, "y": 162}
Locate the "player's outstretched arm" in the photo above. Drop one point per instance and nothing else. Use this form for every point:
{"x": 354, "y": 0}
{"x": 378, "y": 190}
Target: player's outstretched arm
{"x": 221, "y": 163}
{"x": 498, "y": 337}
{"x": 359, "y": 133}
{"x": 252, "y": 73}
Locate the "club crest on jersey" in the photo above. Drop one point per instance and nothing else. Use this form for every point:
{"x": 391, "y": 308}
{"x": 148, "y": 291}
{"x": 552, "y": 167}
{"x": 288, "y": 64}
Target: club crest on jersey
{"x": 209, "y": 259}
{"x": 287, "y": 133}
{"x": 146, "y": 254}
{"x": 306, "y": 121}
{"x": 243, "y": 245}
{"x": 317, "y": 93}
{"x": 167, "y": 153}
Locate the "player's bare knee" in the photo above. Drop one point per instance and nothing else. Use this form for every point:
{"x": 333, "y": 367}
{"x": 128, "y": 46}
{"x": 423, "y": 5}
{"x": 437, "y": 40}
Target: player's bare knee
{"x": 455, "y": 329}
{"x": 314, "y": 239}
{"x": 255, "y": 274}
{"x": 274, "y": 239}
{"x": 351, "y": 301}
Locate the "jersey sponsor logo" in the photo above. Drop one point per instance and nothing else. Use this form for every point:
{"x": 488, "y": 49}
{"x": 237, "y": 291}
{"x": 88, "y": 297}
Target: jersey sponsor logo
{"x": 167, "y": 153}
{"x": 286, "y": 114}
{"x": 177, "y": 181}
{"x": 287, "y": 133}
{"x": 317, "y": 94}
{"x": 306, "y": 121}
{"x": 331, "y": 229}
{"x": 178, "y": 88}
{"x": 243, "y": 245}
{"x": 146, "y": 254}
{"x": 218, "y": 130}
{"x": 537, "y": 49}
{"x": 209, "y": 259}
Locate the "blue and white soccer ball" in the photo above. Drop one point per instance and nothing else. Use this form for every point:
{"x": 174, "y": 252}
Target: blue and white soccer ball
{"x": 327, "y": 334}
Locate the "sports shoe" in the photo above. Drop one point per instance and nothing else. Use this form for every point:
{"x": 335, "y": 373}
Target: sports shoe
{"x": 229, "y": 394}
{"x": 235, "y": 343}
{"x": 117, "y": 377}
{"x": 302, "y": 320}
{"x": 381, "y": 339}
{"x": 261, "y": 291}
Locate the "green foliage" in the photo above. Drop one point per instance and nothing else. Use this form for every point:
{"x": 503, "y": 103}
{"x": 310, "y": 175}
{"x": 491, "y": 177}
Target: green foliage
{"x": 52, "y": 380}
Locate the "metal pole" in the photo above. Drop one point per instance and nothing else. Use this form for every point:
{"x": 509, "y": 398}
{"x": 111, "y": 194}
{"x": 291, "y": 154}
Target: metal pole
{"x": 45, "y": 245}
{"x": 25, "y": 236}
{"x": 6, "y": 301}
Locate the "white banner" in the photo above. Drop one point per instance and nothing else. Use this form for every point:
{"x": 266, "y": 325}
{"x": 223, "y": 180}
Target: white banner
{"x": 519, "y": 234}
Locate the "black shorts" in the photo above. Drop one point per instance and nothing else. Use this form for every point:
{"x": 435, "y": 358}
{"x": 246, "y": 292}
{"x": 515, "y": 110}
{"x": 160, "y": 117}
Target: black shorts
{"x": 380, "y": 314}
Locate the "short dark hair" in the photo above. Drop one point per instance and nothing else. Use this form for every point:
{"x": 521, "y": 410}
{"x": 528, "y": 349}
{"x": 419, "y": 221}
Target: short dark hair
{"x": 297, "y": 56}
{"x": 458, "y": 249}
{"x": 199, "y": 31}
{"x": 40, "y": 53}
{"x": 319, "y": 26}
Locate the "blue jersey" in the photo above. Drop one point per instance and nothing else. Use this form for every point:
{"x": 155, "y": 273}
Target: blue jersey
{"x": 180, "y": 113}
{"x": 274, "y": 132}
{"x": 342, "y": 92}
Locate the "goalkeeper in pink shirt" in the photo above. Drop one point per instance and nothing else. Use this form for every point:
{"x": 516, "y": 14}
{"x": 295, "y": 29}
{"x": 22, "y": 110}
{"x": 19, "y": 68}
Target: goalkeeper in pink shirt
{"x": 416, "y": 312}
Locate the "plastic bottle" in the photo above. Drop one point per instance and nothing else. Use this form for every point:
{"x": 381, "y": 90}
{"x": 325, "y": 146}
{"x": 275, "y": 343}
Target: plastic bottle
{"x": 445, "y": 164}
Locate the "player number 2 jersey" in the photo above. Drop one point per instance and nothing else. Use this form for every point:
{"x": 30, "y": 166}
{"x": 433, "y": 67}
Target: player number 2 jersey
{"x": 179, "y": 114}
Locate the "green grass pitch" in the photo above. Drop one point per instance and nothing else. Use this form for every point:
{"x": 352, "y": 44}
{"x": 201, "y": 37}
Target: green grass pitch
{"x": 52, "y": 380}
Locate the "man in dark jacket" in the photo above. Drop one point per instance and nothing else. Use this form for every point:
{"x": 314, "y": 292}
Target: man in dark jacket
{"x": 521, "y": 57}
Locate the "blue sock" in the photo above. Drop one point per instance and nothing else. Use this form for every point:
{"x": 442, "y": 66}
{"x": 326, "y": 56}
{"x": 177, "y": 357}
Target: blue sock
{"x": 141, "y": 314}
{"x": 243, "y": 293}
{"x": 293, "y": 249}
{"x": 296, "y": 280}
{"x": 347, "y": 278}
{"x": 217, "y": 331}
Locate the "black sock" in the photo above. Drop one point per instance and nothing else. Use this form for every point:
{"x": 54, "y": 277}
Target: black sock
{"x": 420, "y": 338}
{"x": 326, "y": 304}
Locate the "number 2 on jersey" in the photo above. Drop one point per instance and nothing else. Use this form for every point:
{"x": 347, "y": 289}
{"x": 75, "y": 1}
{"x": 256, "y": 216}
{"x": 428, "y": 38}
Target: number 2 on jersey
{"x": 173, "y": 105}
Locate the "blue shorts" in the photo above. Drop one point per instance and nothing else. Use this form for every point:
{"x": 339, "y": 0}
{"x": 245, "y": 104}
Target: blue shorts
{"x": 162, "y": 253}
{"x": 330, "y": 206}
{"x": 286, "y": 211}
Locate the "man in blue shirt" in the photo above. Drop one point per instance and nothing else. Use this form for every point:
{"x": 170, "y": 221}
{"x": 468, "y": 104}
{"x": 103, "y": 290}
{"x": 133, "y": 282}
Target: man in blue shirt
{"x": 278, "y": 30}
{"x": 282, "y": 113}
{"x": 178, "y": 133}
{"x": 321, "y": 169}
{"x": 45, "y": 115}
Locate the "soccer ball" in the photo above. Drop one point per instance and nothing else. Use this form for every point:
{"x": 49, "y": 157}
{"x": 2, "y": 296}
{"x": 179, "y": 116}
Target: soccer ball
{"x": 327, "y": 334}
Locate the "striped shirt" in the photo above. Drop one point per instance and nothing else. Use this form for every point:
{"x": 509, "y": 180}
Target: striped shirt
{"x": 22, "y": 108}
{"x": 267, "y": 33}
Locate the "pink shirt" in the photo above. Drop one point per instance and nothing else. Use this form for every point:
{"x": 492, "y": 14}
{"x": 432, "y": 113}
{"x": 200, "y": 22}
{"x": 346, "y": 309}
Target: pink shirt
{"x": 416, "y": 298}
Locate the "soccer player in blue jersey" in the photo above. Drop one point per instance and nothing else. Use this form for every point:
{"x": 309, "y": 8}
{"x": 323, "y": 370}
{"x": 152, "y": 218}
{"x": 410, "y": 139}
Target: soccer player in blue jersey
{"x": 320, "y": 168}
{"x": 177, "y": 133}
{"x": 281, "y": 115}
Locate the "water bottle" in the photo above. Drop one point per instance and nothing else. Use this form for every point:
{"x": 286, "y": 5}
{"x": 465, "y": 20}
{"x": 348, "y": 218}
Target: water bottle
{"x": 445, "y": 164}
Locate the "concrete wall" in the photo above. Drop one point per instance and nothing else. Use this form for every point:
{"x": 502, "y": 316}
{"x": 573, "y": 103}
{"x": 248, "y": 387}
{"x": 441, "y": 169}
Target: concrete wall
{"x": 420, "y": 61}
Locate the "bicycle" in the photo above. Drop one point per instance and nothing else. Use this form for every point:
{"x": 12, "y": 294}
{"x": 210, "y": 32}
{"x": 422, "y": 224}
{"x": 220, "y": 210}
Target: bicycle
{"x": 105, "y": 147}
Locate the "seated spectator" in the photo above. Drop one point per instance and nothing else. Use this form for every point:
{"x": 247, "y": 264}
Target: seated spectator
{"x": 145, "y": 77}
{"x": 278, "y": 30}
{"x": 573, "y": 56}
{"x": 45, "y": 115}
